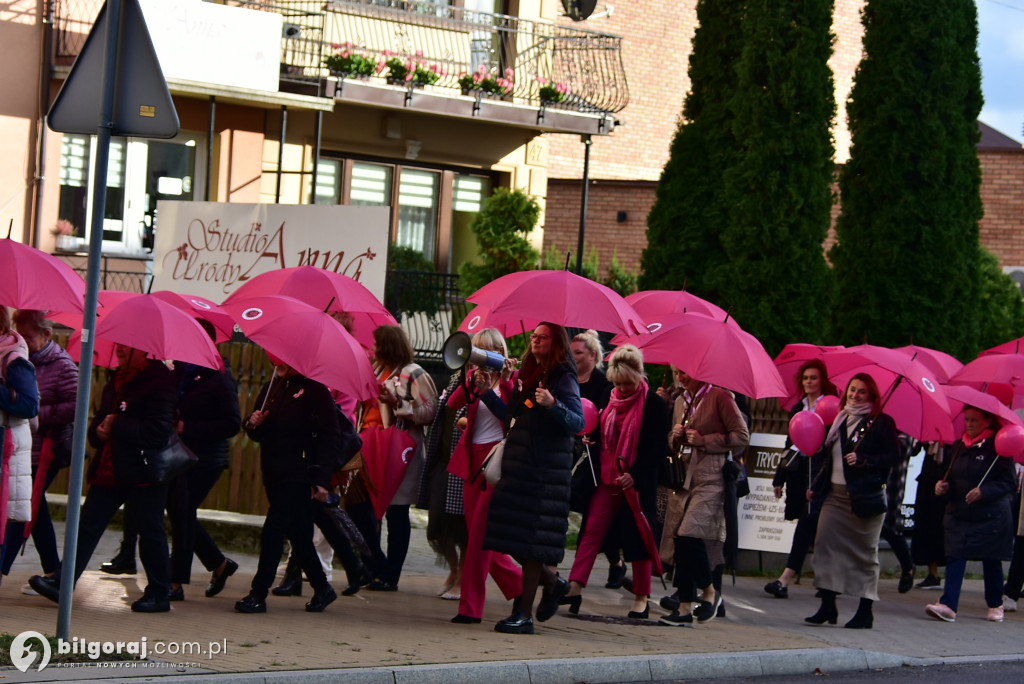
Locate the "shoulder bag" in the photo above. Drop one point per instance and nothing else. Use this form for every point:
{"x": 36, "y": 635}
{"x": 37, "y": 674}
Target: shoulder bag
{"x": 163, "y": 465}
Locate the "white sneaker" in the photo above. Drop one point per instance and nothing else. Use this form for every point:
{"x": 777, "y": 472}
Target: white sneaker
{"x": 29, "y": 591}
{"x": 1009, "y": 605}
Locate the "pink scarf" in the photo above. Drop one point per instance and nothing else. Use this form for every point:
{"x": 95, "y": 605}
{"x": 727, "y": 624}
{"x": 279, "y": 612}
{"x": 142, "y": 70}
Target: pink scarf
{"x": 980, "y": 437}
{"x": 621, "y": 442}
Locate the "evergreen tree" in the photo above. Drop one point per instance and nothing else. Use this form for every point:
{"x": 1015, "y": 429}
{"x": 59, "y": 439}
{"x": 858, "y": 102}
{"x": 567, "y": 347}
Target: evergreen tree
{"x": 501, "y": 228}
{"x": 906, "y": 261}
{"x": 778, "y": 188}
{"x": 686, "y": 221}
{"x": 1000, "y": 306}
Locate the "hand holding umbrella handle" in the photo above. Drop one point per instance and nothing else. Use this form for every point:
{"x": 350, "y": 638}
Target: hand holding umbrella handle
{"x": 625, "y": 480}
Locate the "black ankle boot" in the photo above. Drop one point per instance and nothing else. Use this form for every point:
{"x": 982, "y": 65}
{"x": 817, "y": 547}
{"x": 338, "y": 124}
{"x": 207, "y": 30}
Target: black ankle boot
{"x": 863, "y": 619}
{"x": 123, "y": 563}
{"x": 291, "y": 585}
{"x": 827, "y": 612}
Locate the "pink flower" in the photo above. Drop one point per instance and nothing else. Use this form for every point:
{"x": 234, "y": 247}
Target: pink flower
{"x": 541, "y": 80}
{"x": 509, "y": 74}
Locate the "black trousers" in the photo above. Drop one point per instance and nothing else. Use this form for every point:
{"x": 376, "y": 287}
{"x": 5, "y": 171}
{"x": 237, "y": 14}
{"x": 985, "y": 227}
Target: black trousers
{"x": 803, "y": 537}
{"x": 290, "y": 517}
{"x": 146, "y": 505}
{"x": 1015, "y": 575}
{"x": 184, "y": 496}
{"x": 692, "y": 568}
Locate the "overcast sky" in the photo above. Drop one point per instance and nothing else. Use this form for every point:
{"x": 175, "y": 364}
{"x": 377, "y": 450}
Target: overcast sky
{"x": 1001, "y": 48}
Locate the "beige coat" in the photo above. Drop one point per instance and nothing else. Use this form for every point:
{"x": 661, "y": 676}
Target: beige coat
{"x": 698, "y": 509}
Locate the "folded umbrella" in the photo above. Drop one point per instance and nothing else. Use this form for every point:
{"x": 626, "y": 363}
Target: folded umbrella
{"x": 643, "y": 525}
{"x": 386, "y": 456}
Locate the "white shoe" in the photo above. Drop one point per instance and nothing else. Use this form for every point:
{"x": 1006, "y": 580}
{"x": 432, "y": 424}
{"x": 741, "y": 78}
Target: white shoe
{"x": 995, "y": 614}
{"x": 29, "y": 591}
{"x": 1009, "y": 605}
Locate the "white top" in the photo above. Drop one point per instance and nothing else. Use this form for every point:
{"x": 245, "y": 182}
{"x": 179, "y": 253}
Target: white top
{"x": 486, "y": 426}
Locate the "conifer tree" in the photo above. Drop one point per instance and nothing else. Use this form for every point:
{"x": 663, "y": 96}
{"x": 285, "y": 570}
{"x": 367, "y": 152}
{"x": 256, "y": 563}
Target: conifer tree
{"x": 906, "y": 261}
{"x": 778, "y": 187}
{"x": 685, "y": 224}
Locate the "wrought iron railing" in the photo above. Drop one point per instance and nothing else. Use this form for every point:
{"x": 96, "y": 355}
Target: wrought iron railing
{"x": 428, "y": 305}
{"x": 455, "y": 39}
{"x": 125, "y": 281}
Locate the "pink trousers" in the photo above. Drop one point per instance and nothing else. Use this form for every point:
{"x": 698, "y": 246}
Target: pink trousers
{"x": 604, "y": 504}
{"x": 478, "y": 562}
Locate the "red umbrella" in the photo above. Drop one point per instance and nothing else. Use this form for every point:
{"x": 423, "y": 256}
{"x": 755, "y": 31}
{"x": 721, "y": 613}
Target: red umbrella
{"x": 308, "y": 340}
{"x": 963, "y": 396}
{"x": 324, "y": 290}
{"x": 655, "y": 305}
{"x": 159, "y": 329}
{"x": 910, "y": 393}
{"x": 714, "y": 351}
{"x": 203, "y": 309}
{"x": 941, "y": 364}
{"x": 643, "y": 525}
{"x": 386, "y": 455}
{"x": 33, "y": 279}
{"x": 520, "y": 301}
{"x": 39, "y": 482}
{"x": 788, "y": 362}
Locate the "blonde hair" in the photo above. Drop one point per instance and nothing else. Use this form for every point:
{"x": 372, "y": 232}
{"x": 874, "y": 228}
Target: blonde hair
{"x": 592, "y": 343}
{"x": 626, "y": 364}
{"x": 490, "y": 339}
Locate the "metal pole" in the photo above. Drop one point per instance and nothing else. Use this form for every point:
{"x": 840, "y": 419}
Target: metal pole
{"x": 585, "y": 139}
{"x": 280, "y": 152}
{"x": 92, "y": 286}
{"x": 316, "y": 154}
{"x": 209, "y": 144}
{"x": 44, "y": 106}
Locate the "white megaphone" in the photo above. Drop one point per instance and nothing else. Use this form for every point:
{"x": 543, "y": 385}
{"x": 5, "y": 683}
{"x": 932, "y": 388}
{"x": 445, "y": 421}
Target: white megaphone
{"x": 458, "y": 350}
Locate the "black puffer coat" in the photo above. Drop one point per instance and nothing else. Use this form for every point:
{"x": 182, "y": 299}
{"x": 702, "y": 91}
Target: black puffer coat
{"x": 210, "y": 413}
{"x": 529, "y": 513}
{"x": 982, "y": 530}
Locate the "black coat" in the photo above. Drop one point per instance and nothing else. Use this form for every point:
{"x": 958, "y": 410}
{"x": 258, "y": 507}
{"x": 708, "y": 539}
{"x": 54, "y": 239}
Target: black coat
{"x": 982, "y": 530}
{"x": 208, "y": 407}
{"x": 146, "y": 409}
{"x": 529, "y": 513}
{"x": 795, "y": 472}
{"x": 651, "y": 447}
{"x": 300, "y": 435}
{"x": 877, "y": 447}
{"x": 598, "y": 390}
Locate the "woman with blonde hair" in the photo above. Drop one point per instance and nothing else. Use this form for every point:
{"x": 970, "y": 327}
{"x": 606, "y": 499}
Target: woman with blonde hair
{"x": 479, "y": 392}
{"x": 633, "y": 429}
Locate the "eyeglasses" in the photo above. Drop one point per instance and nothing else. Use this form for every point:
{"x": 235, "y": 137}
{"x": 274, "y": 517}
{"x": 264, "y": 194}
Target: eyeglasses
{"x": 539, "y": 336}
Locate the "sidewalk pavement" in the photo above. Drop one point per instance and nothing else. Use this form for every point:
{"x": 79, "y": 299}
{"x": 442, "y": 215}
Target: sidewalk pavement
{"x": 406, "y": 637}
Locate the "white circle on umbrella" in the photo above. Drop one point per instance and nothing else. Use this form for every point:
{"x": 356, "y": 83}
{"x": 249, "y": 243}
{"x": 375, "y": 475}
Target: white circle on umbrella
{"x": 252, "y": 314}
{"x": 406, "y": 455}
{"x": 928, "y": 384}
{"x": 201, "y": 305}
{"x": 473, "y": 322}
{"x": 654, "y": 327}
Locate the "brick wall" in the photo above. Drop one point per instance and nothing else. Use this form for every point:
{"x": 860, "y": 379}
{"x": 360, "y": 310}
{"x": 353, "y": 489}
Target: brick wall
{"x": 1002, "y": 192}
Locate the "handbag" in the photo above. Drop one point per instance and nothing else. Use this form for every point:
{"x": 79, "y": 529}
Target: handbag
{"x": 491, "y": 467}
{"x": 869, "y": 505}
{"x": 164, "y": 464}
{"x": 672, "y": 471}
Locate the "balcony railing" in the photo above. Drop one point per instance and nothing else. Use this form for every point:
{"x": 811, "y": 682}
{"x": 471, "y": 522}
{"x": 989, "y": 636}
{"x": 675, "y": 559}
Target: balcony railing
{"x": 455, "y": 39}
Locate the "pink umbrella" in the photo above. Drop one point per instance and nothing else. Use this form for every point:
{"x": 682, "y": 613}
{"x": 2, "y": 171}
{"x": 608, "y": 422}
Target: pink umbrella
{"x": 324, "y": 290}
{"x": 788, "y": 362}
{"x": 989, "y": 369}
{"x": 963, "y": 396}
{"x": 386, "y": 455}
{"x": 203, "y": 309}
{"x": 655, "y": 305}
{"x": 33, "y": 279}
{"x": 520, "y": 301}
{"x": 1012, "y": 347}
{"x": 159, "y": 329}
{"x": 910, "y": 393}
{"x": 308, "y": 340}
{"x": 106, "y": 300}
{"x": 941, "y": 364}
{"x": 714, "y": 351}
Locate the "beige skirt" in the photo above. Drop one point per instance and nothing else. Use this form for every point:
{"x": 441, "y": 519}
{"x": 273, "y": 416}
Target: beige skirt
{"x": 845, "y": 556}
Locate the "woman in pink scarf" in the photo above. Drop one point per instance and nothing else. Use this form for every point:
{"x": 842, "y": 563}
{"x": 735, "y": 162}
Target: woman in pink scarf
{"x": 633, "y": 429}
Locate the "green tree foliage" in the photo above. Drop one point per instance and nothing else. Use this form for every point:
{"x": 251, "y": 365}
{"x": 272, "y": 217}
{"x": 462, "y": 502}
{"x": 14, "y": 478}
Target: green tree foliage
{"x": 778, "y": 186}
{"x": 1000, "y": 306}
{"x": 501, "y": 227}
{"x": 619, "y": 279}
{"x": 686, "y": 222}
{"x": 906, "y": 261}
{"x": 409, "y": 287}
{"x": 554, "y": 260}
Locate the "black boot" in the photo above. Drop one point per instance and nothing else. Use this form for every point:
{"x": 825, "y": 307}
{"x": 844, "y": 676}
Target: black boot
{"x": 291, "y": 585}
{"x": 358, "y": 578}
{"x": 863, "y": 619}
{"x": 123, "y": 563}
{"x": 827, "y": 612}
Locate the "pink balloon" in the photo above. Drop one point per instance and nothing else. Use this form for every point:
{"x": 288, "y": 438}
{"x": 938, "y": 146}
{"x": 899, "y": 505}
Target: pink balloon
{"x": 807, "y": 431}
{"x": 1010, "y": 442}
{"x": 828, "y": 408}
{"x": 589, "y": 417}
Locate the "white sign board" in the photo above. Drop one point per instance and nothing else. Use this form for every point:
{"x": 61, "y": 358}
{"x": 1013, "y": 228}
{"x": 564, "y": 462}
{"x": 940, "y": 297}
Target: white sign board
{"x": 761, "y": 517}
{"x": 215, "y": 44}
{"x": 211, "y": 248}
